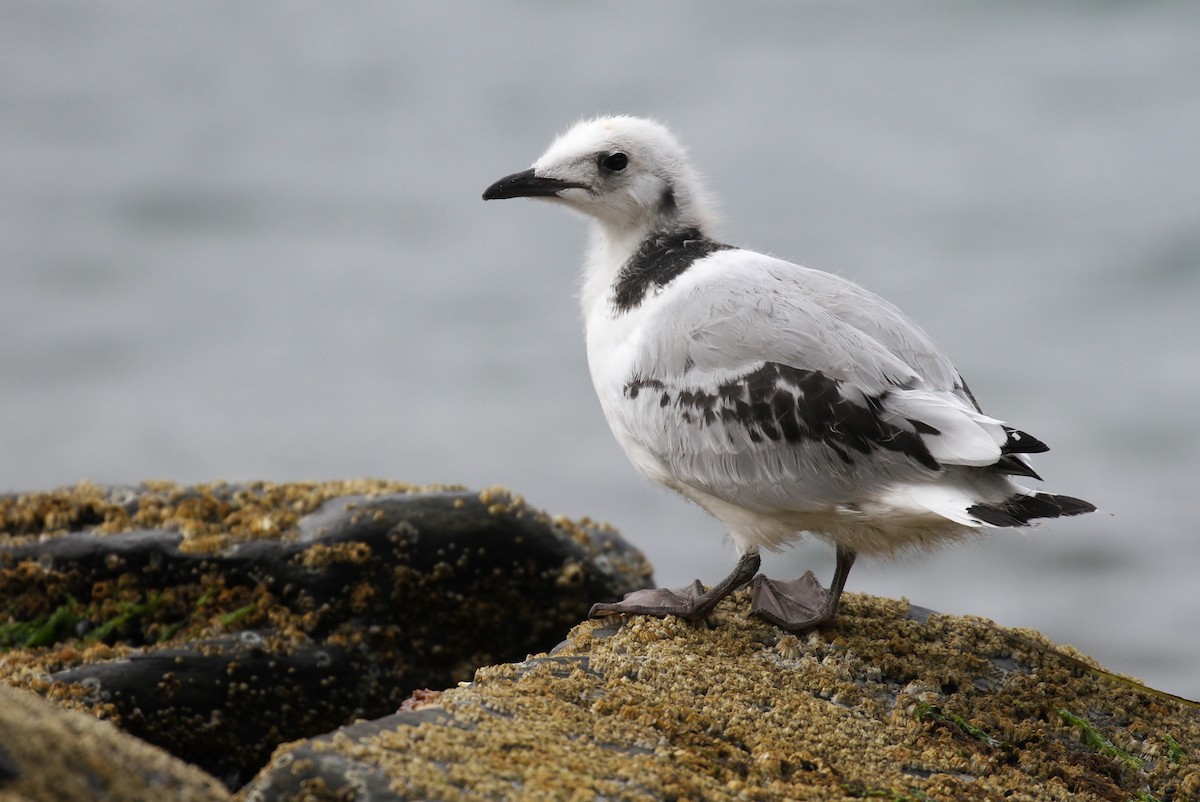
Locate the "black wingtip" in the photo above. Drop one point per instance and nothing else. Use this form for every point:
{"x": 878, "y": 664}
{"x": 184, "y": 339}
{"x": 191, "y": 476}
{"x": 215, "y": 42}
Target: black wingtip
{"x": 1019, "y": 442}
{"x": 1074, "y": 506}
{"x": 1012, "y": 465}
{"x": 1020, "y": 510}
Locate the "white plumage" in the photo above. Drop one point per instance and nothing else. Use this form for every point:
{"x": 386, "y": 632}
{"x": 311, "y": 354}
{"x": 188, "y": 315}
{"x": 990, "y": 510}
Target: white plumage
{"x": 779, "y": 398}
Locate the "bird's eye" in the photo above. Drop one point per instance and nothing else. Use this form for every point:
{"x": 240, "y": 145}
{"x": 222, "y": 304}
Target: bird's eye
{"x": 614, "y": 161}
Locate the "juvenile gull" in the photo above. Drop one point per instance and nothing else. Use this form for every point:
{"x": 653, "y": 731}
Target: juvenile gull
{"x": 781, "y": 399}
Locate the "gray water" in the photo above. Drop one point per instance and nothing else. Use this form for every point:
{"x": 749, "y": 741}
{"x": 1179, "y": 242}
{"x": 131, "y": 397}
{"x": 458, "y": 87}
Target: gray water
{"x": 245, "y": 241}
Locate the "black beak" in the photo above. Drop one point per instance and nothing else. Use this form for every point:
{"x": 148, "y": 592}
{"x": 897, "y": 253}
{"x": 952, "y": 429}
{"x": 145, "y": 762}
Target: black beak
{"x": 526, "y": 185}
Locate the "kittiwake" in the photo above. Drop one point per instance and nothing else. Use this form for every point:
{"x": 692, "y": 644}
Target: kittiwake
{"x": 781, "y": 399}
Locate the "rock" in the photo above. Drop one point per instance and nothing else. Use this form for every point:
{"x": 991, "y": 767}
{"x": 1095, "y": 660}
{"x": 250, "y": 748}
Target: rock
{"x": 894, "y": 703}
{"x": 48, "y": 754}
{"x": 219, "y": 621}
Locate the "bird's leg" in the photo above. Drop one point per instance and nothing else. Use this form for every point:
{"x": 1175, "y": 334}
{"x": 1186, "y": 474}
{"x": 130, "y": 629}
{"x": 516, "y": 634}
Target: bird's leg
{"x": 800, "y": 604}
{"x": 692, "y": 602}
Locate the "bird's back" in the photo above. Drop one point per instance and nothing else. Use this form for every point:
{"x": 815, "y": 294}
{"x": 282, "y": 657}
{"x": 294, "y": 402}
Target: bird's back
{"x": 782, "y": 389}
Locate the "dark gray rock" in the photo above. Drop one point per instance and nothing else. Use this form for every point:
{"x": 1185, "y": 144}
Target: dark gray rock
{"x": 253, "y": 642}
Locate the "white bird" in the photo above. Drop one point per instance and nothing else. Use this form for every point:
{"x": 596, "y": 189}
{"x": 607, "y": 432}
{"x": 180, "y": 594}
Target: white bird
{"x": 781, "y": 399}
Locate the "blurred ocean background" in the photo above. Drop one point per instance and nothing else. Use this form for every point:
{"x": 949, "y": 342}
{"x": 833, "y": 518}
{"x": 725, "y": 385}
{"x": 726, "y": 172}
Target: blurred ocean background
{"x": 245, "y": 241}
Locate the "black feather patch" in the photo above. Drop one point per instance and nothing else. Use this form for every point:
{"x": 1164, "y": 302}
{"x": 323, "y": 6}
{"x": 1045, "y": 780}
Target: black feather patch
{"x": 1022, "y": 443}
{"x": 659, "y": 261}
{"x": 1013, "y": 465}
{"x": 637, "y": 384}
{"x": 1020, "y": 510}
{"x": 785, "y": 404}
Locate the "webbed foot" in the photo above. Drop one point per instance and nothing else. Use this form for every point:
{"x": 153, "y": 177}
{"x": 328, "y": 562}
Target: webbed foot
{"x": 792, "y": 604}
{"x": 682, "y": 602}
{"x": 801, "y": 604}
{"x": 692, "y": 602}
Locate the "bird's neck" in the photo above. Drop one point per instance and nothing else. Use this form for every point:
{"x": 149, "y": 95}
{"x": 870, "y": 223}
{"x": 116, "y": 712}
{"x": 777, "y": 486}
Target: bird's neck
{"x": 610, "y": 247}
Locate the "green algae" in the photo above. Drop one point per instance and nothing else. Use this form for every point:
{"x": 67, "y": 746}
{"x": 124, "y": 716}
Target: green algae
{"x": 168, "y": 631}
{"x": 206, "y": 597}
{"x": 72, "y": 622}
{"x": 58, "y": 626}
{"x": 1174, "y": 750}
{"x": 128, "y": 616}
{"x": 62, "y": 625}
{"x": 1095, "y": 740}
{"x": 928, "y": 712}
{"x": 229, "y": 619}
{"x": 44, "y": 630}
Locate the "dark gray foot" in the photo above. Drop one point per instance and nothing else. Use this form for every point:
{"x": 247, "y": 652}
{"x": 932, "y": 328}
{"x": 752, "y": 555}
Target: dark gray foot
{"x": 656, "y": 601}
{"x": 801, "y": 604}
{"x": 692, "y": 602}
{"x": 792, "y": 604}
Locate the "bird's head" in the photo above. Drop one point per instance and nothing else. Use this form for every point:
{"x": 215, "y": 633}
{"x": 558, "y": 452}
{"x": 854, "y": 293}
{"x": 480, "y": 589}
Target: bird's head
{"x": 628, "y": 173}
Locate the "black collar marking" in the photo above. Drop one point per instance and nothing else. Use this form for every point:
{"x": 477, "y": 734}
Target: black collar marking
{"x": 662, "y": 257}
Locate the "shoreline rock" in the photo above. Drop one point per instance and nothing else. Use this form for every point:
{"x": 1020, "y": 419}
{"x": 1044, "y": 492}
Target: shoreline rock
{"x": 894, "y": 703}
{"x": 219, "y": 621}
{"x": 48, "y": 754}
{"x": 224, "y": 620}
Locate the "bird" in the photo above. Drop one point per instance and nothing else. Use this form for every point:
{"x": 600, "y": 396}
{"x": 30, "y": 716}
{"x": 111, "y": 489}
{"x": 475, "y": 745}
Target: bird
{"x": 783, "y": 400}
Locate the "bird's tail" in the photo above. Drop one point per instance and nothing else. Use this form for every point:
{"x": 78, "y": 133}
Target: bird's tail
{"x": 974, "y": 498}
{"x": 1020, "y": 509}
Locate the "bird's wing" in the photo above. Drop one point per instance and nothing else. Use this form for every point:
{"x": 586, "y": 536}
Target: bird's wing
{"x": 775, "y": 386}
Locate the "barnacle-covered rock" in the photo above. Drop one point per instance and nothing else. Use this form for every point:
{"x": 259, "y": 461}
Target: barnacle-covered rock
{"x": 895, "y": 703}
{"x": 219, "y": 621}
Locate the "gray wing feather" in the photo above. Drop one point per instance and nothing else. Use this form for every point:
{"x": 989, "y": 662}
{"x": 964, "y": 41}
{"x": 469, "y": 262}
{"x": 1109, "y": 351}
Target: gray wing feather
{"x": 775, "y": 386}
